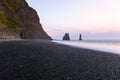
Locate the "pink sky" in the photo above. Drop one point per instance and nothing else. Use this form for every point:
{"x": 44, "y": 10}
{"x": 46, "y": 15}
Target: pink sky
{"x": 89, "y": 17}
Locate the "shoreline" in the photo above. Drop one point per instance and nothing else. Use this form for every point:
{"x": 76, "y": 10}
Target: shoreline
{"x": 45, "y": 60}
{"x": 97, "y": 46}
{"x": 3, "y": 40}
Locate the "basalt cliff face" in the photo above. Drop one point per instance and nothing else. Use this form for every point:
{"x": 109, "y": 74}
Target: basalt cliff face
{"x": 18, "y": 20}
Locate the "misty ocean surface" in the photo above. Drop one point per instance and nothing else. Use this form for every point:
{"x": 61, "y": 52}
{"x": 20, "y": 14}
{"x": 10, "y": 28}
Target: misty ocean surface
{"x": 112, "y": 46}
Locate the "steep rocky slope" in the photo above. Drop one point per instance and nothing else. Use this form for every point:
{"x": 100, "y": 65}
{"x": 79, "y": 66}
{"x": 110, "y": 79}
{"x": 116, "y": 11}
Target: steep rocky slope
{"x": 18, "y": 20}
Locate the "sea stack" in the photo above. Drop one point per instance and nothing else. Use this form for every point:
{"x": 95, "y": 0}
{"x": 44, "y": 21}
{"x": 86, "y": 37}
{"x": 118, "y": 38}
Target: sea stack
{"x": 66, "y": 36}
{"x": 18, "y": 20}
{"x": 80, "y": 37}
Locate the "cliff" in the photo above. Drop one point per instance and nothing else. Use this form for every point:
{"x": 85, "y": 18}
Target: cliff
{"x": 18, "y": 20}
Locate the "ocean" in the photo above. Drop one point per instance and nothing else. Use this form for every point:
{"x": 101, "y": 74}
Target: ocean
{"x": 112, "y": 46}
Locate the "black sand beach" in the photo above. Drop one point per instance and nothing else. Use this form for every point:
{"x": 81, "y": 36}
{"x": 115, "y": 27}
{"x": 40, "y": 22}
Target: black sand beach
{"x": 44, "y": 60}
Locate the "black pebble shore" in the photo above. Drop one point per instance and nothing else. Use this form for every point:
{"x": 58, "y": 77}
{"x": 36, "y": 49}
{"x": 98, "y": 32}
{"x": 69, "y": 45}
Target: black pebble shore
{"x": 45, "y": 60}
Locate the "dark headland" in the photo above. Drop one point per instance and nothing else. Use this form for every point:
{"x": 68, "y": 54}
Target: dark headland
{"x": 18, "y": 20}
{"x": 45, "y": 60}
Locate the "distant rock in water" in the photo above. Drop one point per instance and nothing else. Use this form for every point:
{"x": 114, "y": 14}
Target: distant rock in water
{"x": 66, "y": 36}
{"x": 18, "y": 20}
{"x": 80, "y": 37}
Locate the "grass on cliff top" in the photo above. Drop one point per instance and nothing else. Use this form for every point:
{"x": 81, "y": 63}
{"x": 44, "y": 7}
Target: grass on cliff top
{"x": 6, "y": 20}
{"x": 12, "y": 4}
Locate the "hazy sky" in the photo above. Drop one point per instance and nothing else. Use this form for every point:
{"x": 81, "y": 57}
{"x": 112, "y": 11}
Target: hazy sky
{"x": 95, "y": 19}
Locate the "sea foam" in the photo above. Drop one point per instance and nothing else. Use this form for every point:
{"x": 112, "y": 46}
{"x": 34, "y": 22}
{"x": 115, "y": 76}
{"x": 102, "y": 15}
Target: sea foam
{"x": 106, "y": 46}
